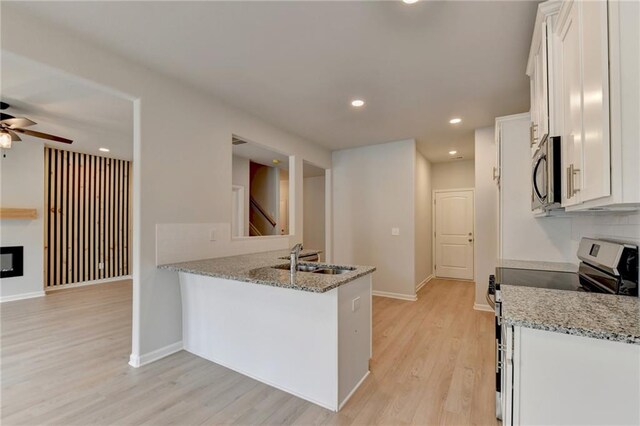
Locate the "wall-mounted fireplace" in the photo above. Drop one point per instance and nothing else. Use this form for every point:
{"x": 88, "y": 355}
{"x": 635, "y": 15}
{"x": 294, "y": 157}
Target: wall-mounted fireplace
{"x": 11, "y": 261}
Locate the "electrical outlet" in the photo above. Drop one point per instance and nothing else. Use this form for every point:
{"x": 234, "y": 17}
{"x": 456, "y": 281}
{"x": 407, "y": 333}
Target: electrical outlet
{"x": 212, "y": 235}
{"x": 101, "y": 265}
{"x": 355, "y": 304}
{"x": 395, "y": 231}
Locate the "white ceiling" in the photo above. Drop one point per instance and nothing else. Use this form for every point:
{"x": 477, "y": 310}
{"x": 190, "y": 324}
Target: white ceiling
{"x": 298, "y": 64}
{"x": 67, "y": 107}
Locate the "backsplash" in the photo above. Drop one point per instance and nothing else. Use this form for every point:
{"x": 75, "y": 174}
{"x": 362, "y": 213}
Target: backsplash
{"x": 620, "y": 226}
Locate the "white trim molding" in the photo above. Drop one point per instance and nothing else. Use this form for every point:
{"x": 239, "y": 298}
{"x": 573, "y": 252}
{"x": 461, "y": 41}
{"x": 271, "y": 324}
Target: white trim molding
{"x": 400, "y": 296}
{"x": 86, "y": 283}
{"x": 482, "y": 307}
{"x": 356, "y": 387}
{"x": 140, "y": 360}
{"x": 424, "y": 282}
{"x": 22, "y": 296}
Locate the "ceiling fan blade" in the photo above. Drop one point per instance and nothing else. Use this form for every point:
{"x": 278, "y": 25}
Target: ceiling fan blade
{"x": 14, "y": 136}
{"x": 4, "y": 105}
{"x": 14, "y": 123}
{"x": 43, "y": 135}
{"x": 4, "y": 116}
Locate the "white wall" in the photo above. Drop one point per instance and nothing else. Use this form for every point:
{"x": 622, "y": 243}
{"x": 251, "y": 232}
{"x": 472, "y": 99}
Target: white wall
{"x": 283, "y": 193}
{"x": 453, "y": 174}
{"x": 373, "y": 191}
{"x": 314, "y": 213}
{"x": 525, "y": 237}
{"x": 423, "y": 219}
{"x": 185, "y": 183}
{"x": 22, "y": 186}
{"x": 486, "y": 212}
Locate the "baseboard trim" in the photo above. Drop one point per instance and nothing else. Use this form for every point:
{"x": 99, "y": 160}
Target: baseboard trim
{"x": 355, "y": 388}
{"x": 86, "y": 283}
{"x": 482, "y": 307}
{"x": 140, "y": 360}
{"x": 22, "y": 296}
{"x": 424, "y": 282}
{"x": 399, "y": 296}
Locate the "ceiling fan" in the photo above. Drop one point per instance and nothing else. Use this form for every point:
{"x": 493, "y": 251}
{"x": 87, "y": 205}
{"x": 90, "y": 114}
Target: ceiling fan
{"x": 10, "y": 126}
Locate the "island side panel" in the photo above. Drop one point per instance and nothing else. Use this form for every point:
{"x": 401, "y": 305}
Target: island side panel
{"x": 283, "y": 337}
{"x": 354, "y": 331}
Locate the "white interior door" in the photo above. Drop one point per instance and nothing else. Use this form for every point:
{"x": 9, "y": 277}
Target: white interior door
{"x": 454, "y": 234}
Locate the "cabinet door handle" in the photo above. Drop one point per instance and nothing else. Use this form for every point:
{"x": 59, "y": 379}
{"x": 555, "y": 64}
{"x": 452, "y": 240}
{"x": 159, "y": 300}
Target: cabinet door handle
{"x": 574, "y": 172}
{"x": 569, "y": 177}
{"x": 532, "y": 138}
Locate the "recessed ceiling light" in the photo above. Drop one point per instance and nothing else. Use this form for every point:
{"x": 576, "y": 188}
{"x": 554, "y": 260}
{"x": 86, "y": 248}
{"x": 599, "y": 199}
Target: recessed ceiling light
{"x": 455, "y": 120}
{"x": 104, "y": 149}
{"x": 409, "y": 1}
{"x": 357, "y": 103}
{"x": 453, "y": 152}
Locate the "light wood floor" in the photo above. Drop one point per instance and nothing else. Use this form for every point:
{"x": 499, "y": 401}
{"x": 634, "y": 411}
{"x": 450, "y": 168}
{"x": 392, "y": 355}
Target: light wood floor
{"x": 64, "y": 361}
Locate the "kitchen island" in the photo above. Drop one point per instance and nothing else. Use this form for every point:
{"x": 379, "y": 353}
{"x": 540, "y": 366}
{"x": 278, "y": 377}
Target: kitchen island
{"x": 308, "y": 334}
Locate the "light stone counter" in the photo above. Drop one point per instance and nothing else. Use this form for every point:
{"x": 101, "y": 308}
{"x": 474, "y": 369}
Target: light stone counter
{"x": 601, "y": 316}
{"x": 258, "y": 268}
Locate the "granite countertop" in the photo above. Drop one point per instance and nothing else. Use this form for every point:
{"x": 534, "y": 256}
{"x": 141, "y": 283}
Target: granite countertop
{"x": 258, "y": 268}
{"x": 600, "y": 316}
{"x": 537, "y": 265}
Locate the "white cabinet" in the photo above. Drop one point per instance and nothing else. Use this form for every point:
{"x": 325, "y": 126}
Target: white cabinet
{"x": 538, "y": 67}
{"x": 584, "y": 99}
{"x": 596, "y": 51}
{"x": 570, "y": 93}
{"x": 559, "y": 379}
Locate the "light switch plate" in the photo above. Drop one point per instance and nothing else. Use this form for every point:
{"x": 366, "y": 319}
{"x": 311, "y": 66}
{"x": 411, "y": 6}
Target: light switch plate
{"x": 395, "y": 231}
{"x": 355, "y": 304}
{"x": 212, "y": 235}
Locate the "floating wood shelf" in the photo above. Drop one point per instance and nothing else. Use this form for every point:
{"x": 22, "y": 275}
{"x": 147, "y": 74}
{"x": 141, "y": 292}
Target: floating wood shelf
{"x": 6, "y": 213}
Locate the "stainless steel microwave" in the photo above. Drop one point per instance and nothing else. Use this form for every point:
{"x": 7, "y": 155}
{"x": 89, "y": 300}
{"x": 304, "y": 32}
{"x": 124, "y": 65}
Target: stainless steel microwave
{"x": 546, "y": 179}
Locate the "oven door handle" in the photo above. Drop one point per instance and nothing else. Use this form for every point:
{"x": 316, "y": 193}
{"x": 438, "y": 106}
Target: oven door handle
{"x": 490, "y": 301}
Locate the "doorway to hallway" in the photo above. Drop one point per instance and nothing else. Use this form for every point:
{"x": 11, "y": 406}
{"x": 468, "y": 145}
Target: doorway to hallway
{"x": 454, "y": 234}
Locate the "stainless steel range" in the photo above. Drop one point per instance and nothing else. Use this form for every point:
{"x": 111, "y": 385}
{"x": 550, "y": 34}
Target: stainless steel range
{"x": 606, "y": 266}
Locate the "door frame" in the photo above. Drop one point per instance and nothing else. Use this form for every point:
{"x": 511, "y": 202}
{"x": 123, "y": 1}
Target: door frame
{"x": 239, "y": 207}
{"x": 433, "y": 227}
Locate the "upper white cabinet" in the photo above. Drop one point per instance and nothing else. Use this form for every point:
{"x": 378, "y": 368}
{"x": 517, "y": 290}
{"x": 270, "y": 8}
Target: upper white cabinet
{"x": 583, "y": 68}
{"x": 595, "y": 97}
{"x": 570, "y": 102}
{"x": 538, "y": 67}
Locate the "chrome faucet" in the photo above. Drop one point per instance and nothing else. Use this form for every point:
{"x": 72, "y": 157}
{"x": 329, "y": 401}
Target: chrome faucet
{"x": 295, "y": 252}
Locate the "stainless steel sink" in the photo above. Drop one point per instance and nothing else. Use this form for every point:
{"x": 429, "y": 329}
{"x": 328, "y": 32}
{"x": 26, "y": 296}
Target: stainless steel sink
{"x": 332, "y": 271}
{"x": 301, "y": 267}
{"x": 318, "y": 269}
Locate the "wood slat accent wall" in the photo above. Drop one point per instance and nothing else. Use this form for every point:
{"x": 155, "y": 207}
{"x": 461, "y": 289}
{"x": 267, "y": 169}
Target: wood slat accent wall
{"x": 87, "y": 218}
